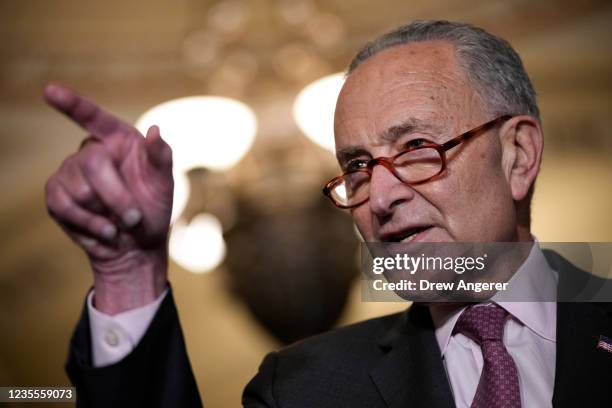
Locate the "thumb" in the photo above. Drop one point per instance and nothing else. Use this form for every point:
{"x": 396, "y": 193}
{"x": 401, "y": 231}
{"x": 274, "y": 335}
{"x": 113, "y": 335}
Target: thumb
{"x": 158, "y": 151}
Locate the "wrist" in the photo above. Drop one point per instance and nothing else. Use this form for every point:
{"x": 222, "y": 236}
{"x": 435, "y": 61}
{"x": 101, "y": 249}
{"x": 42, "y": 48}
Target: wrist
{"x": 132, "y": 281}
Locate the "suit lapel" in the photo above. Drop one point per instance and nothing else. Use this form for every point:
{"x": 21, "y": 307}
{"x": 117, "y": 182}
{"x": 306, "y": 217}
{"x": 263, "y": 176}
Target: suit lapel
{"x": 583, "y": 372}
{"x": 411, "y": 373}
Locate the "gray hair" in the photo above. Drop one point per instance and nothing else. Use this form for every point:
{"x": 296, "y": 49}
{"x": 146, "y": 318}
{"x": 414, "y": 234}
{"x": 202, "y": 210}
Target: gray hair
{"x": 491, "y": 64}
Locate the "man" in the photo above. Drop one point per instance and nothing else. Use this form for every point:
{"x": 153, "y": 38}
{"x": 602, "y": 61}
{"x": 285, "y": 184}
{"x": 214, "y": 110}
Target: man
{"x": 422, "y": 84}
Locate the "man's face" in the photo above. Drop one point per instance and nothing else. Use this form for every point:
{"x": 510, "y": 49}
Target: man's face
{"x": 418, "y": 91}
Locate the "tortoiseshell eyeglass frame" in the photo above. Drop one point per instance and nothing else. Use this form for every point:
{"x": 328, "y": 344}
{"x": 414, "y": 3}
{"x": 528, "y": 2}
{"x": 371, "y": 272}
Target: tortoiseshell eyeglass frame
{"x": 388, "y": 162}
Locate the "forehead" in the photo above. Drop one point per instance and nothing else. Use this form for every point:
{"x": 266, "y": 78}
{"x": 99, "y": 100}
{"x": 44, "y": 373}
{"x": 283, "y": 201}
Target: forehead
{"x": 421, "y": 81}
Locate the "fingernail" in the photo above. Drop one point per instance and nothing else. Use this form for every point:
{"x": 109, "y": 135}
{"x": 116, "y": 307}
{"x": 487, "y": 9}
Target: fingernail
{"x": 88, "y": 242}
{"x": 109, "y": 231}
{"x": 132, "y": 217}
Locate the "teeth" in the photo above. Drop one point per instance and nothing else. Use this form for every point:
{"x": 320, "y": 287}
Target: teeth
{"x": 410, "y": 237}
{"x": 413, "y": 234}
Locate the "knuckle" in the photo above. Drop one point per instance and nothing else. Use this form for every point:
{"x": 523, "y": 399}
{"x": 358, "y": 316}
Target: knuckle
{"x": 68, "y": 161}
{"x": 82, "y": 193}
{"x": 55, "y": 205}
{"x": 67, "y": 167}
{"x": 91, "y": 145}
{"x": 93, "y": 161}
{"x": 86, "y": 141}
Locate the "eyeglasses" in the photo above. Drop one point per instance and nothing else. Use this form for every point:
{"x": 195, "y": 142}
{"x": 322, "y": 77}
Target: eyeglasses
{"x": 413, "y": 166}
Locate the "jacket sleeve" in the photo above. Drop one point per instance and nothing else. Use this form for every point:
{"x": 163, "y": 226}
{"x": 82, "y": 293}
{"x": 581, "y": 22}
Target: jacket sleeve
{"x": 259, "y": 392}
{"x": 157, "y": 373}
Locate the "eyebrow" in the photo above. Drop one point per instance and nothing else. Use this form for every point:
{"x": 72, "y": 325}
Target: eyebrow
{"x": 389, "y": 135}
{"x": 345, "y": 155}
{"x": 410, "y": 125}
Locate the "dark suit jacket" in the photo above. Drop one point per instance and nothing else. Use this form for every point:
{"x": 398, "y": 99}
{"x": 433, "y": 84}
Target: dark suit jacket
{"x": 392, "y": 361}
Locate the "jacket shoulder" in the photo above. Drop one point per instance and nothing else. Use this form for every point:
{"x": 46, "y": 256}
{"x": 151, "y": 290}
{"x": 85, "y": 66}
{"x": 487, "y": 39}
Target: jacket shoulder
{"x": 343, "y": 340}
{"x": 328, "y": 370}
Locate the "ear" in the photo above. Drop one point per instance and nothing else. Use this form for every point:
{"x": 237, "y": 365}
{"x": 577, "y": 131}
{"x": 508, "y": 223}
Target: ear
{"x": 522, "y": 142}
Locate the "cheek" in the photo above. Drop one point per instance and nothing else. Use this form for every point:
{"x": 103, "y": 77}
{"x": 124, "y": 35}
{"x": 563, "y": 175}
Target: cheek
{"x": 363, "y": 221}
{"x": 474, "y": 199}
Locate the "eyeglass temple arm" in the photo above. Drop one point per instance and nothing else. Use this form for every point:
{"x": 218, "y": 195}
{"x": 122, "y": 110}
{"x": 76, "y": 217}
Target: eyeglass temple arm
{"x": 467, "y": 135}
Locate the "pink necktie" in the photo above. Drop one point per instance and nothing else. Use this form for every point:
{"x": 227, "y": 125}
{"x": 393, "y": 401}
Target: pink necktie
{"x": 498, "y": 386}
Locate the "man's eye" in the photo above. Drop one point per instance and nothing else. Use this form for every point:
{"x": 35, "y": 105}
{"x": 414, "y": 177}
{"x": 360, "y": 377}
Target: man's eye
{"x": 356, "y": 164}
{"x": 414, "y": 143}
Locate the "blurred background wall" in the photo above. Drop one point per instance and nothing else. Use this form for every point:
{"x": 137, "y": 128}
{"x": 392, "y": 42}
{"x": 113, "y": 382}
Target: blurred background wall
{"x": 276, "y": 227}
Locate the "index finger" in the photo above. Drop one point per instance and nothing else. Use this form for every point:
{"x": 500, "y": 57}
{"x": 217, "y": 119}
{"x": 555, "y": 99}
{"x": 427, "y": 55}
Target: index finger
{"x": 85, "y": 113}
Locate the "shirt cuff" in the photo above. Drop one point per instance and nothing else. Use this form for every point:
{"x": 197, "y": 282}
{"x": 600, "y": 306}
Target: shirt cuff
{"x": 114, "y": 337}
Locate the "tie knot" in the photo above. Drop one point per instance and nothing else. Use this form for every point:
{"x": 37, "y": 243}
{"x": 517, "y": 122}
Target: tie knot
{"x": 482, "y": 323}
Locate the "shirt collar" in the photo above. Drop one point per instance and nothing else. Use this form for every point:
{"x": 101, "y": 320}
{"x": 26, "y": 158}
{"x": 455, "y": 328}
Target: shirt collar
{"x": 535, "y": 279}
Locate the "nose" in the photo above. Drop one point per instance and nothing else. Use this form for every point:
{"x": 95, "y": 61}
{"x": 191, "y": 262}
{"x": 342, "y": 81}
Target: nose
{"x": 387, "y": 192}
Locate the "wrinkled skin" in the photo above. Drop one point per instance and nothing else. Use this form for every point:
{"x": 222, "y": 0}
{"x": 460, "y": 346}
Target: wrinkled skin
{"x": 478, "y": 196}
{"x": 113, "y": 197}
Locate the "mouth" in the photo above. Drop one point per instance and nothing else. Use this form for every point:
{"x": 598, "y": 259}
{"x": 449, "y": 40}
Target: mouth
{"x": 407, "y": 235}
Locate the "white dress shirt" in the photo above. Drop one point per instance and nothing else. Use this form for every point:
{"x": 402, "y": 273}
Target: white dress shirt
{"x": 114, "y": 337}
{"x": 530, "y": 336}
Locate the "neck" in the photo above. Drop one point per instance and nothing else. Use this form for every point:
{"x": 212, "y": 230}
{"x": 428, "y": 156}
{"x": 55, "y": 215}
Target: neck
{"x": 523, "y": 233}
